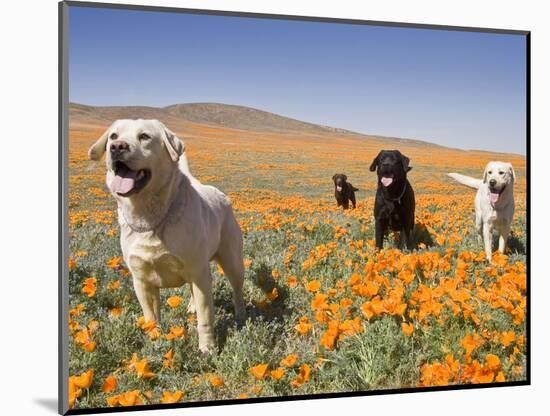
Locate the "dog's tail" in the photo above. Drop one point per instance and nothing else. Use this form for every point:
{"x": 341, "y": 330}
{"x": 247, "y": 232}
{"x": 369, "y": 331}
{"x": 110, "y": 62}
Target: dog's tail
{"x": 466, "y": 180}
{"x": 184, "y": 167}
{"x": 354, "y": 188}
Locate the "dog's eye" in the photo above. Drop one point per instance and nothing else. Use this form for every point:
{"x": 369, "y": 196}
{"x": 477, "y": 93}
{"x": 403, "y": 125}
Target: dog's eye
{"x": 144, "y": 136}
{"x": 501, "y": 173}
{"x": 490, "y": 172}
{"x": 114, "y": 136}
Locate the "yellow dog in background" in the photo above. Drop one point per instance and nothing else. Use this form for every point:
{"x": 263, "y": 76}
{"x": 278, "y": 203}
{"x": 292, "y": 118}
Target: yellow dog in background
{"x": 494, "y": 203}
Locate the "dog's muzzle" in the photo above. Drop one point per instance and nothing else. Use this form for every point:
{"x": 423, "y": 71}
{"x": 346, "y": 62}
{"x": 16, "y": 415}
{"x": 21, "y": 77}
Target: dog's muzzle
{"x": 494, "y": 193}
{"x": 128, "y": 181}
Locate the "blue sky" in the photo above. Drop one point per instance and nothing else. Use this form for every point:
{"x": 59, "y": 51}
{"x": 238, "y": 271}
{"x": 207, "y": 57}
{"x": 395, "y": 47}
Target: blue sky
{"x": 458, "y": 89}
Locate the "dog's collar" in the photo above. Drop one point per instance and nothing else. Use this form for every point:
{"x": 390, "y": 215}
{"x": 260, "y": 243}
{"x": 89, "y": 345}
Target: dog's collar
{"x": 148, "y": 228}
{"x": 398, "y": 199}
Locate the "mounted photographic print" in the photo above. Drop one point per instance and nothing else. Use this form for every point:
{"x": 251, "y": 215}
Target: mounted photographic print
{"x": 265, "y": 208}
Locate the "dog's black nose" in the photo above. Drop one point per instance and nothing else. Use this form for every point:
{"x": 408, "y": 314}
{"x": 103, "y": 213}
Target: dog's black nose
{"x": 118, "y": 147}
{"x": 492, "y": 182}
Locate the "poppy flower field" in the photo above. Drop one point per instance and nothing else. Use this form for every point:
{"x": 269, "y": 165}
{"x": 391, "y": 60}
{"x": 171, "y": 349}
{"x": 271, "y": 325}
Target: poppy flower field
{"x": 327, "y": 312}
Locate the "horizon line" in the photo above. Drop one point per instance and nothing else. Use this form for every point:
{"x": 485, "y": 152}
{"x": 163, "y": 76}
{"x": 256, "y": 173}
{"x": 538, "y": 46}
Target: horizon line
{"x": 383, "y": 136}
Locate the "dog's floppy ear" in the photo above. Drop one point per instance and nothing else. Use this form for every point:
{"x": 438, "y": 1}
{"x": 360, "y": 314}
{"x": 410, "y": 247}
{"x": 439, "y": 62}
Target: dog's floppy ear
{"x": 375, "y": 162}
{"x": 512, "y": 172}
{"x": 173, "y": 143}
{"x": 334, "y": 176}
{"x": 98, "y": 148}
{"x": 405, "y": 162}
{"x": 345, "y": 177}
{"x": 485, "y": 173}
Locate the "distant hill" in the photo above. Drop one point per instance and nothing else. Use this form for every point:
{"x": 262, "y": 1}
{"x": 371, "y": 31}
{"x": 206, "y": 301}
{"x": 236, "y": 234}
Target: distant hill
{"x": 224, "y": 115}
{"x": 213, "y": 114}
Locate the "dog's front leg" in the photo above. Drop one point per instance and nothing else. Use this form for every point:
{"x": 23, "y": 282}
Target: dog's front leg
{"x": 379, "y": 234}
{"x": 488, "y": 241}
{"x": 503, "y": 237}
{"x": 191, "y": 307}
{"x": 479, "y": 226}
{"x": 403, "y": 239}
{"x": 406, "y": 238}
{"x": 149, "y": 299}
{"x": 204, "y": 304}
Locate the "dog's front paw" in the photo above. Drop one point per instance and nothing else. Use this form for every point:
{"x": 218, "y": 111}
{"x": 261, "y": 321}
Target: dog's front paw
{"x": 240, "y": 316}
{"x": 207, "y": 344}
{"x": 191, "y": 307}
{"x": 206, "y": 350}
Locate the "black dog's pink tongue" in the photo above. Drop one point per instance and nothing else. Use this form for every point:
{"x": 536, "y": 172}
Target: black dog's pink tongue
{"x": 386, "y": 181}
{"x": 494, "y": 197}
{"x": 124, "y": 180}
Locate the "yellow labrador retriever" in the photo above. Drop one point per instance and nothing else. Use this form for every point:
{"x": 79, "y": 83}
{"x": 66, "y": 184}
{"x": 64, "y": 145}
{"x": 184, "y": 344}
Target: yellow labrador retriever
{"x": 494, "y": 203}
{"x": 171, "y": 226}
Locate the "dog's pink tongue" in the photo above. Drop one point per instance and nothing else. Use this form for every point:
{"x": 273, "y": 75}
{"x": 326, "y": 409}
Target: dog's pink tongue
{"x": 494, "y": 197}
{"x": 386, "y": 181}
{"x": 339, "y": 188}
{"x": 124, "y": 181}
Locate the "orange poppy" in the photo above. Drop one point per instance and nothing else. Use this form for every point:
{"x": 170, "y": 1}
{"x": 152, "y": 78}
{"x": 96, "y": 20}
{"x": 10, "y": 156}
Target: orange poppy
{"x": 175, "y": 332}
{"x": 292, "y": 281}
{"x": 278, "y": 373}
{"x": 110, "y": 384}
{"x": 493, "y": 362}
{"x": 313, "y": 286}
{"x": 168, "y": 397}
{"x": 506, "y": 338}
{"x": 84, "y": 380}
{"x": 174, "y": 301}
{"x": 289, "y": 360}
{"x": 216, "y": 381}
{"x": 168, "y": 361}
{"x": 304, "y": 326}
{"x": 408, "y": 329}
{"x": 303, "y": 376}
{"x": 259, "y": 371}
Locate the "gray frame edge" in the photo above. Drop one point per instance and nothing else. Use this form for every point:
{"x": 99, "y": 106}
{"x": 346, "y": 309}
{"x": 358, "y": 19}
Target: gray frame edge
{"x": 63, "y": 234}
{"x": 257, "y": 15}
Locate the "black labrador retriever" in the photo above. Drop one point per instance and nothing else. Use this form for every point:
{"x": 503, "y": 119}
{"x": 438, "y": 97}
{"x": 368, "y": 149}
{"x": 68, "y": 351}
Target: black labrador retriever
{"x": 344, "y": 191}
{"x": 394, "y": 204}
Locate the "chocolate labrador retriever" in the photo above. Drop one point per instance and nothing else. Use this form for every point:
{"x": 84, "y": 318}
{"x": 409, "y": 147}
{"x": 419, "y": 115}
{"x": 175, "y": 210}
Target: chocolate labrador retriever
{"x": 394, "y": 204}
{"x": 343, "y": 191}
